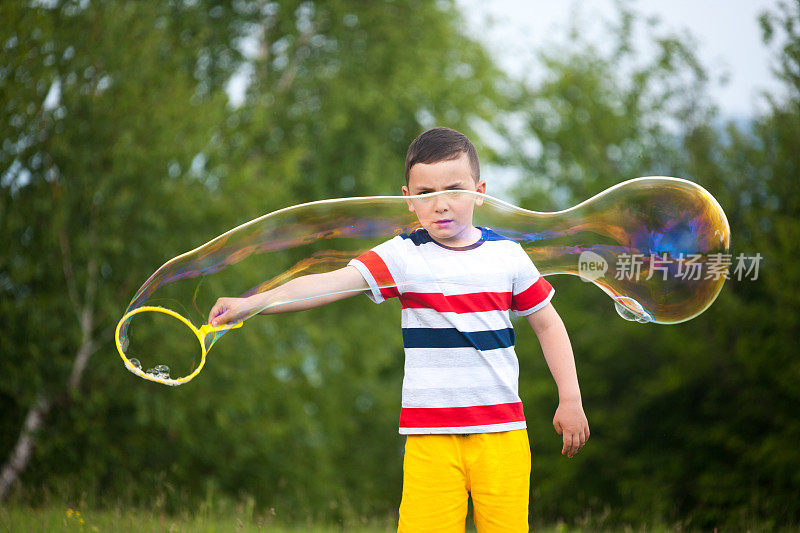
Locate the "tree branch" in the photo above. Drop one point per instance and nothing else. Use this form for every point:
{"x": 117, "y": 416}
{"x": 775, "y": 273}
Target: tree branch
{"x": 86, "y": 319}
{"x": 286, "y": 79}
{"x": 69, "y": 274}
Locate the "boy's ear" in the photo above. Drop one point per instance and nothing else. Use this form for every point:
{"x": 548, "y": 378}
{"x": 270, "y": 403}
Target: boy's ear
{"x": 406, "y": 192}
{"x": 481, "y": 188}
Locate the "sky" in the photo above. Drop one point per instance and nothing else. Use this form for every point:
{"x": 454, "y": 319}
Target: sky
{"x": 726, "y": 31}
{"x": 727, "y": 34}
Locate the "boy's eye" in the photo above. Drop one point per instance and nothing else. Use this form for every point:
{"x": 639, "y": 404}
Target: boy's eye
{"x": 449, "y": 193}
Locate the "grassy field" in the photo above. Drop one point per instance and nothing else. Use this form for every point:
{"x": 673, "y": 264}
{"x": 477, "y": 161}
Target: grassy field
{"x": 17, "y": 518}
{"x": 25, "y": 519}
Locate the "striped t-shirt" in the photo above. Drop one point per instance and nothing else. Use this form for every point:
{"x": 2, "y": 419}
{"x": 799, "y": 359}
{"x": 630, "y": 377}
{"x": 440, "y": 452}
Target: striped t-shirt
{"x": 461, "y": 371}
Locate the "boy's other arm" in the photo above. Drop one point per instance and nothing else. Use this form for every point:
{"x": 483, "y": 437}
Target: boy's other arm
{"x": 299, "y": 294}
{"x": 569, "y": 421}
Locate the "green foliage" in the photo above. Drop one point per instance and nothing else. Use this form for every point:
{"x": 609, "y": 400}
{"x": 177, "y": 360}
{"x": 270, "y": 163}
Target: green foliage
{"x": 685, "y": 420}
{"x": 137, "y": 155}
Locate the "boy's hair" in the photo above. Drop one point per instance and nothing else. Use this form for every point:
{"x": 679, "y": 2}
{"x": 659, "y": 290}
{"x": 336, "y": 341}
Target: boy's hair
{"x": 442, "y": 144}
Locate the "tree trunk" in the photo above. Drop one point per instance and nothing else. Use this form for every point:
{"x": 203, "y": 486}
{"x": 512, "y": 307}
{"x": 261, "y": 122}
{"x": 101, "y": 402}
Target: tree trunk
{"x": 19, "y": 457}
{"x": 23, "y": 449}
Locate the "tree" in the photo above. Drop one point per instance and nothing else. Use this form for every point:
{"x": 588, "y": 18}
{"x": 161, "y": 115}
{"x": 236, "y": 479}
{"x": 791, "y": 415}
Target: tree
{"x": 92, "y": 130}
{"x": 685, "y": 419}
{"x": 138, "y": 156}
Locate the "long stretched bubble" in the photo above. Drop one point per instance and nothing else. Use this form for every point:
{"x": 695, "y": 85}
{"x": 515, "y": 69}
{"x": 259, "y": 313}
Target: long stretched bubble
{"x": 655, "y": 245}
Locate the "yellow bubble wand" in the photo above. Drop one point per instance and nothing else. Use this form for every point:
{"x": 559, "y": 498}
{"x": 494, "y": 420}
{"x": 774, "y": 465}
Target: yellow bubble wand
{"x": 200, "y": 333}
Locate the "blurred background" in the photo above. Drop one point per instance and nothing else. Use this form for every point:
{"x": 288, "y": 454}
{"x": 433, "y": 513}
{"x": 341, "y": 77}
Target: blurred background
{"x": 134, "y": 131}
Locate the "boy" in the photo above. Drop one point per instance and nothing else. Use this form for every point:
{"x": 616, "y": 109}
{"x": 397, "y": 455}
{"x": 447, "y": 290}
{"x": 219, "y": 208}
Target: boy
{"x": 461, "y": 411}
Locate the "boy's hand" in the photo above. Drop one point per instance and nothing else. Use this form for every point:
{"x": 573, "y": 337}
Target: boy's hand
{"x": 228, "y": 310}
{"x": 570, "y": 422}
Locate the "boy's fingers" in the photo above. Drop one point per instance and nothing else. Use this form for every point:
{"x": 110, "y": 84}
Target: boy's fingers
{"x": 216, "y": 309}
{"x": 221, "y": 318}
{"x": 575, "y": 444}
{"x": 573, "y": 438}
{"x": 567, "y": 448}
{"x": 578, "y": 444}
{"x": 581, "y": 442}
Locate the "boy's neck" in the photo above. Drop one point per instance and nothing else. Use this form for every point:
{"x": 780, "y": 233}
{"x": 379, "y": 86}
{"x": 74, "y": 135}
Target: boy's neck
{"x": 473, "y": 235}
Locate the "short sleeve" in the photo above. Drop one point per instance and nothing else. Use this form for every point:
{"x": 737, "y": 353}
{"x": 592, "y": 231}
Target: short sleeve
{"x": 530, "y": 290}
{"x": 381, "y": 268}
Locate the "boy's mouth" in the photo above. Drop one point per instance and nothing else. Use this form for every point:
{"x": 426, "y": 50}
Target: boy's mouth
{"x": 443, "y": 222}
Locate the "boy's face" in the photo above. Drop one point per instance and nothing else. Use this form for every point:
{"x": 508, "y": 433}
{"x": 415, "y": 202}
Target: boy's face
{"x": 448, "y": 218}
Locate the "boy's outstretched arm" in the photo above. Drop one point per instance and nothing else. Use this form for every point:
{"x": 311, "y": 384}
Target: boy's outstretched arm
{"x": 570, "y": 421}
{"x": 299, "y": 294}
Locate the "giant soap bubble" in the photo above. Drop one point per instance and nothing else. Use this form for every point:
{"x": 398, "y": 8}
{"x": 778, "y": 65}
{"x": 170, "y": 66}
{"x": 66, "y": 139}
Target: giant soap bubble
{"x": 654, "y": 245}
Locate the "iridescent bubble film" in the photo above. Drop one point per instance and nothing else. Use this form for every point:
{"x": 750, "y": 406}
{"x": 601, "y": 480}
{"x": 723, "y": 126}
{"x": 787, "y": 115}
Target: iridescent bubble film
{"x": 657, "y": 246}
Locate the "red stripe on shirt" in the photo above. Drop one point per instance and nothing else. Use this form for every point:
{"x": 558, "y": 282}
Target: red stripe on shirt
{"x": 478, "y": 415}
{"x": 459, "y": 303}
{"x": 532, "y": 296}
{"x": 381, "y": 273}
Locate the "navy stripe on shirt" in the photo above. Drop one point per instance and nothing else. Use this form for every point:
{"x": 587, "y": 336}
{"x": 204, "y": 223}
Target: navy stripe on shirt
{"x": 418, "y": 237}
{"x": 421, "y": 236}
{"x": 453, "y": 338}
{"x": 491, "y": 235}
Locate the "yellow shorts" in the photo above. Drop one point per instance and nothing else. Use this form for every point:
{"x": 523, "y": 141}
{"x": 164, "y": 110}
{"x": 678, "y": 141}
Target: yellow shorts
{"x": 440, "y": 471}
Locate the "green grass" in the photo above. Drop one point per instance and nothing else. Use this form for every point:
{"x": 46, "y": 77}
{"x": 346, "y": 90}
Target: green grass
{"x": 16, "y": 517}
{"x": 25, "y": 519}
